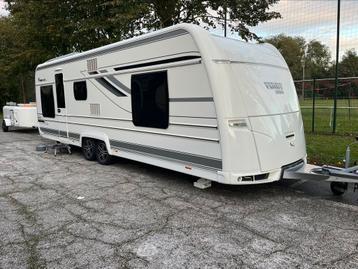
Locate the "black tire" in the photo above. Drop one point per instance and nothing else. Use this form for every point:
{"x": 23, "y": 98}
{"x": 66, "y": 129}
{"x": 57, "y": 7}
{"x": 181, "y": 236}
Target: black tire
{"x": 89, "y": 149}
{"x": 4, "y": 127}
{"x": 102, "y": 154}
{"x": 339, "y": 188}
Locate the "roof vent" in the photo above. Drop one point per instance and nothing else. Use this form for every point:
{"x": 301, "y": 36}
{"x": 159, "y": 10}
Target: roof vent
{"x": 92, "y": 65}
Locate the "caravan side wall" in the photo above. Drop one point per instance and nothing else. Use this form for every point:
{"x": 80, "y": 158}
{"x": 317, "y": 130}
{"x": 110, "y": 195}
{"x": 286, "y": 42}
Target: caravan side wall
{"x": 231, "y": 114}
{"x": 190, "y": 143}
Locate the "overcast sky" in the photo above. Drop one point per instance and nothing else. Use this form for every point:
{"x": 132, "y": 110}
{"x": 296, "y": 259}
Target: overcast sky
{"x": 312, "y": 19}
{"x": 3, "y": 12}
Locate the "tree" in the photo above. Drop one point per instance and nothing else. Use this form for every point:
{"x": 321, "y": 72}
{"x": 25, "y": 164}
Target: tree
{"x": 14, "y": 64}
{"x": 38, "y": 30}
{"x": 317, "y": 59}
{"x": 314, "y": 55}
{"x": 348, "y": 67}
{"x": 292, "y": 49}
{"x": 242, "y": 14}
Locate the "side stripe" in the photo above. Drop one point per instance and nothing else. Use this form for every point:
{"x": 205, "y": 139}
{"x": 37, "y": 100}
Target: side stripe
{"x": 50, "y": 131}
{"x": 74, "y": 135}
{"x": 113, "y": 48}
{"x": 110, "y": 87}
{"x": 192, "y": 99}
{"x": 199, "y": 160}
{"x": 180, "y": 156}
{"x": 119, "y": 84}
{"x": 165, "y": 61}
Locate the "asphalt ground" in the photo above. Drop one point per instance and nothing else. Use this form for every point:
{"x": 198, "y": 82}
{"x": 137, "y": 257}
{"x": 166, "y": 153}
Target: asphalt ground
{"x": 66, "y": 212}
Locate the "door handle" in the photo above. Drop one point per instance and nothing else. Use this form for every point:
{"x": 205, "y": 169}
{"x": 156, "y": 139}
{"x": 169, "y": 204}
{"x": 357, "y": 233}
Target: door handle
{"x": 59, "y": 110}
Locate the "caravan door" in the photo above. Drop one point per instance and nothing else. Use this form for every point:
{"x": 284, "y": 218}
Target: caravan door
{"x": 61, "y": 112}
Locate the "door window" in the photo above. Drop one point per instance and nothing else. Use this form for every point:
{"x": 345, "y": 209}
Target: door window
{"x": 47, "y": 102}
{"x": 60, "y": 91}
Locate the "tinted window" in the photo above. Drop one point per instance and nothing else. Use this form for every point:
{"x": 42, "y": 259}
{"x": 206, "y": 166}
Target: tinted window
{"x": 80, "y": 90}
{"x": 60, "y": 92}
{"x": 47, "y": 102}
{"x": 150, "y": 101}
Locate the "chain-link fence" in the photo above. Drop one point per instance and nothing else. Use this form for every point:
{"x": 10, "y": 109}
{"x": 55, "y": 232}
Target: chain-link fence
{"x": 317, "y": 105}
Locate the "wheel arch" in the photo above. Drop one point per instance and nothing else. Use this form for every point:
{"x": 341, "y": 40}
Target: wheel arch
{"x": 97, "y": 136}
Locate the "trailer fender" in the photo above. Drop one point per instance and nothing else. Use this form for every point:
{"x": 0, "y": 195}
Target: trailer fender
{"x": 98, "y": 136}
{"x": 7, "y": 122}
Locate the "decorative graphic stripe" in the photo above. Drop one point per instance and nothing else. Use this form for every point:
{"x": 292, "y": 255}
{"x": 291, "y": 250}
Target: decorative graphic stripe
{"x": 165, "y": 61}
{"x": 192, "y": 99}
{"x": 119, "y": 84}
{"x": 63, "y": 133}
{"x": 179, "y": 156}
{"x": 60, "y": 133}
{"x": 158, "y": 152}
{"x": 115, "y": 47}
{"x": 109, "y": 87}
{"x": 74, "y": 135}
{"x": 50, "y": 131}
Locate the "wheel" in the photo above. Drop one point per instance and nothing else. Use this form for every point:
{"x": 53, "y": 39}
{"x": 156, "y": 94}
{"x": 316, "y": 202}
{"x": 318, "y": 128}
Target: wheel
{"x": 89, "y": 149}
{"x": 4, "y": 127}
{"x": 338, "y": 188}
{"x": 102, "y": 154}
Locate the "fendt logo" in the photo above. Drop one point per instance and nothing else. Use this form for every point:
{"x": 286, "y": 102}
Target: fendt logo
{"x": 276, "y": 86}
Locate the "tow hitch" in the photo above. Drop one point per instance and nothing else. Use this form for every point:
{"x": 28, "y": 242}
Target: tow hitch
{"x": 340, "y": 178}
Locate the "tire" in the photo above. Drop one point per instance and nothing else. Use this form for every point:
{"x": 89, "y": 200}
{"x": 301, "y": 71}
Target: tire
{"x": 4, "y": 127}
{"x": 339, "y": 188}
{"x": 89, "y": 149}
{"x": 102, "y": 154}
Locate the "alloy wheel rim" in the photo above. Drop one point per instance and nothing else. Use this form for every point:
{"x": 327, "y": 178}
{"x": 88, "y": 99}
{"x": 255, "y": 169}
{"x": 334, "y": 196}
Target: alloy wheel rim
{"x": 102, "y": 152}
{"x": 88, "y": 148}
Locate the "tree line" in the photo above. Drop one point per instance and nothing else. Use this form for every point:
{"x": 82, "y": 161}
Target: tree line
{"x": 314, "y": 56}
{"x": 38, "y": 30}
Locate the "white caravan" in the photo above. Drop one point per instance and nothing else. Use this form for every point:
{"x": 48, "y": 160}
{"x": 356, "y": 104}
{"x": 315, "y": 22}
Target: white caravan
{"x": 179, "y": 98}
{"x": 19, "y": 116}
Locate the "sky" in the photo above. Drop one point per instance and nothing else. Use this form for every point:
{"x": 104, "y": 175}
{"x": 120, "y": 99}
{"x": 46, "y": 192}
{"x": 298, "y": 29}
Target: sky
{"x": 315, "y": 20}
{"x": 312, "y": 19}
{"x": 3, "y": 12}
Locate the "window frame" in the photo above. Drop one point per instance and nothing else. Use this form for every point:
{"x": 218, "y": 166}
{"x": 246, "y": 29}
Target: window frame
{"x": 44, "y": 103}
{"x": 145, "y": 104}
{"x": 60, "y": 91}
{"x": 75, "y": 90}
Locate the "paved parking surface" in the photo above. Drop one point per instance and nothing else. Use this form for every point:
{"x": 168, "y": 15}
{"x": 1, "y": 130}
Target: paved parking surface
{"x": 65, "y": 212}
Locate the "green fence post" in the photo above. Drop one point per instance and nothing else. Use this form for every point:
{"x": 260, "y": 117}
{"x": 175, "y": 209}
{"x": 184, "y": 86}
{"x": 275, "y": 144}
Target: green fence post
{"x": 313, "y": 103}
{"x": 349, "y": 104}
{"x": 337, "y": 64}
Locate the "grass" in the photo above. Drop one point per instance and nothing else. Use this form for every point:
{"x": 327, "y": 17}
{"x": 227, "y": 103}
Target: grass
{"x": 329, "y": 149}
{"x": 347, "y": 118}
{"x": 322, "y": 146}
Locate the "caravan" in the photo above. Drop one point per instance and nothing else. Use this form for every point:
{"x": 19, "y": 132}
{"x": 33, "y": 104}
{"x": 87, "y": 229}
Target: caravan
{"x": 179, "y": 98}
{"x": 19, "y": 116}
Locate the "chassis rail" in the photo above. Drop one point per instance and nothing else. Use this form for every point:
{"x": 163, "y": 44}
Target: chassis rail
{"x": 339, "y": 177}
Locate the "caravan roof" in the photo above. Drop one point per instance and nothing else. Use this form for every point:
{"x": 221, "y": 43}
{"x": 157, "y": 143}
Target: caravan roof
{"x": 211, "y": 47}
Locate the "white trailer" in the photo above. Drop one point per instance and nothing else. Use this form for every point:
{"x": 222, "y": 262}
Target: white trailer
{"x": 179, "y": 98}
{"x": 19, "y": 116}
